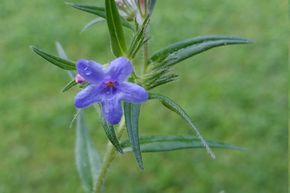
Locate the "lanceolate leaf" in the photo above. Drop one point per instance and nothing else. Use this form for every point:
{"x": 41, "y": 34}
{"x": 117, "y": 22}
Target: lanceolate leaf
{"x": 174, "y": 142}
{"x": 132, "y": 112}
{"x": 59, "y": 62}
{"x": 170, "y": 104}
{"x": 184, "y": 49}
{"x": 91, "y": 23}
{"x": 99, "y": 11}
{"x": 118, "y": 42}
{"x": 96, "y": 10}
{"x": 110, "y": 132}
{"x": 87, "y": 159}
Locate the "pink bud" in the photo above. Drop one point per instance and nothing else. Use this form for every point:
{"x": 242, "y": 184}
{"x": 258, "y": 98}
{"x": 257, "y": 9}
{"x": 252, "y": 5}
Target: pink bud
{"x": 143, "y": 6}
{"x": 79, "y": 79}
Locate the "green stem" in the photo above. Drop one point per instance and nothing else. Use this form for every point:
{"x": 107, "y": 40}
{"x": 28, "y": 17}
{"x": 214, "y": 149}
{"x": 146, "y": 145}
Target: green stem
{"x": 110, "y": 155}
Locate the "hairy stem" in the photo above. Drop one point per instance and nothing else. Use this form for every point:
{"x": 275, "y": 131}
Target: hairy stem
{"x": 110, "y": 155}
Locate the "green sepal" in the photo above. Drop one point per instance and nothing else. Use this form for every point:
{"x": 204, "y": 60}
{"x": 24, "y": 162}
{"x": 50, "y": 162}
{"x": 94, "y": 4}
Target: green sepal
{"x": 132, "y": 112}
{"x": 139, "y": 39}
{"x": 163, "y": 143}
{"x": 171, "y": 105}
{"x": 69, "y": 85}
{"x": 57, "y": 61}
{"x": 182, "y": 50}
{"x": 110, "y": 132}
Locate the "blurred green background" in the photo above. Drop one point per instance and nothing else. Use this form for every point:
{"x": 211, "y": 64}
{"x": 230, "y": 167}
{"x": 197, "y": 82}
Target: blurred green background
{"x": 235, "y": 94}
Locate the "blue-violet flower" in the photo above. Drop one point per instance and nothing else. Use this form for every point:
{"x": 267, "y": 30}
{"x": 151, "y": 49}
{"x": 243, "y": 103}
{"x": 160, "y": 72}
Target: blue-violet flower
{"x": 108, "y": 87}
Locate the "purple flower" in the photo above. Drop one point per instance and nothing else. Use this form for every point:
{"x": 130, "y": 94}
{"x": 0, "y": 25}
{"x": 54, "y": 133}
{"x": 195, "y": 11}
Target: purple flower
{"x": 108, "y": 87}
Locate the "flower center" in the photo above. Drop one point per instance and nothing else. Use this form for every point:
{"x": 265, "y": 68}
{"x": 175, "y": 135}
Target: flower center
{"x": 110, "y": 84}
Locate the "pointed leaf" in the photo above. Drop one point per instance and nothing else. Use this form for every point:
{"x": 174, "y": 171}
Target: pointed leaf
{"x": 99, "y": 11}
{"x": 110, "y": 132}
{"x": 91, "y": 23}
{"x": 170, "y": 104}
{"x": 132, "y": 112}
{"x": 182, "y": 50}
{"x": 174, "y": 142}
{"x": 59, "y": 62}
{"x": 60, "y": 51}
{"x": 96, "y": 10}
{"x": 118, "y": 42}
{"x": 87, "y": 159}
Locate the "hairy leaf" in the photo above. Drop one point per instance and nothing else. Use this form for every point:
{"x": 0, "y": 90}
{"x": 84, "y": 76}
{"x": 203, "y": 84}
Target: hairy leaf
{"x": 174, "y": 142}
{"x": 132, "y": 112}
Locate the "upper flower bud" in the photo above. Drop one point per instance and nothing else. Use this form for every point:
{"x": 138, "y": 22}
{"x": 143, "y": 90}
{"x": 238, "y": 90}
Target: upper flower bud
{"x": 136, "y": 10}
{"x": 127, "y": 9}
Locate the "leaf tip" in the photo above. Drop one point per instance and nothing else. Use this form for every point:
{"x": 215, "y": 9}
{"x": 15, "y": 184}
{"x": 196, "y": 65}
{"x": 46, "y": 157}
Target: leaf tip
{"x": 69, "y": 3}
{"x": 32, "y": 47}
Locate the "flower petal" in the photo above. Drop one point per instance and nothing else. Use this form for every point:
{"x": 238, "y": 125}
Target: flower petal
{"x": 120, "y": 69}
{"x": 91, "y": 71}
{"x": 132, "y": 93}
{"x": 87, "y": 96}
{"x": 112, "y": 110}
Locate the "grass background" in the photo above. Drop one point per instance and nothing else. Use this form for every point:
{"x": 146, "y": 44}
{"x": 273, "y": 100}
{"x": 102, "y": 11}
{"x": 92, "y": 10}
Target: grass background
{"x": 235, "y": 94}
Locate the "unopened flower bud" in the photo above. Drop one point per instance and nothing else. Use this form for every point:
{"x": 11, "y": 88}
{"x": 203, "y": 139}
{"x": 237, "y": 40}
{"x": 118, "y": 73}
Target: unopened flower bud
{"x": 127, "y": 8}
{"x": 143, "y": 7}
{"x": 79, "y": 79}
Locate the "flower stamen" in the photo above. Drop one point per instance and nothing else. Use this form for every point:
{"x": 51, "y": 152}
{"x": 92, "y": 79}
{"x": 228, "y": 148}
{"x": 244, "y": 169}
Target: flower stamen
{"x": 110, "y": 84}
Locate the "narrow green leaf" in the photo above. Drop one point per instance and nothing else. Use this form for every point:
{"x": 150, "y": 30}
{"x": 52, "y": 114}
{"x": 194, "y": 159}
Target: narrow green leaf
{"x": 174, "y": 142}
{"x": 110, "y": 132}
{"x": 99, "y": 11}
{"x": 96, "y": 10}
{"x": 92, "y": 22}
{"x": 59, "y": 62}
{"x": 184, "y": 49}
{"x": 118, "y": 42}
{"x": 62, "y": 54}
{"x": 60, "y": 51}
{"x": 139, "y": 39}
{"x": 132, "y": 112}
{"x": 170, "y": 104}
{"x": 87, "y": 159}
{"x": 69, "y": 85}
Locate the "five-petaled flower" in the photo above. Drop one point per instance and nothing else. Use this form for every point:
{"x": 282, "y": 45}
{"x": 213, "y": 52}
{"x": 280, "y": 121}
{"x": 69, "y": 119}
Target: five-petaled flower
{"x": 108, "y": 87}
